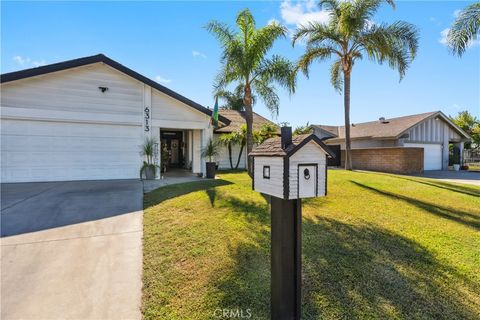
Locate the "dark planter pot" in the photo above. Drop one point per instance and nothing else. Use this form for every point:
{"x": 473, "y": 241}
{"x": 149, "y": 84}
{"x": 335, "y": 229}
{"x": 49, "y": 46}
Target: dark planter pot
{"x": 211, "y": 170}
{"x": 149, "y": 173}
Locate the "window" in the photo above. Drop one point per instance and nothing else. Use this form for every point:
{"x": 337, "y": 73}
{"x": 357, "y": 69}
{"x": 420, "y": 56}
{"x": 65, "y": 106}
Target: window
{"x": 266, "y": 172}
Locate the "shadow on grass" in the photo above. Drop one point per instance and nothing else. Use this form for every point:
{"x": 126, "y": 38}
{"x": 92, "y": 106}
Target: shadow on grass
{"x": 168, "y": 192}
{"x": 353, "y": 272}
{"x": 446, "y": 186}
{"x": 348, "y": 272}
{"x": 458, "y": 216}
{"x": 463, "y": 189}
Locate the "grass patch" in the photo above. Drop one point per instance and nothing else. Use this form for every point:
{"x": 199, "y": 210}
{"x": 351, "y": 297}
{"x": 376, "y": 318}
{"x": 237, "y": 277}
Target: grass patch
{"x": 378, "y": 246}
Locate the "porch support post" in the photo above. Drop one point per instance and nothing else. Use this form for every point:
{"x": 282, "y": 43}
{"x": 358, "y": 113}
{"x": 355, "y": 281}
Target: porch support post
{"x": 445, "y": 151}
{"x": 460, "y": 146}
{"x": 286, "y": 255}
{"x": 207, "y": 134}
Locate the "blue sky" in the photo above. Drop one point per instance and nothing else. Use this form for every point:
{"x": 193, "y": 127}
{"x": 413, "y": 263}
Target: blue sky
{"x": 165, "y": 41}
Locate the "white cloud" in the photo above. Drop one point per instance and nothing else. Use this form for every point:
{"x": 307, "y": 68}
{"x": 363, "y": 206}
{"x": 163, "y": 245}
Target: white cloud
{"x": 162, "y": 79}
{"x": 456, "y": 13}
{"x": 26, "y": 61}
{"x": 273, "y": 21}
{"x": 198, "y": 54}
{"x": 39, "y": 63}
{"x": 443, "y": 36}
{"x": 301, "y": 13}
{"x": 21, "y": 60}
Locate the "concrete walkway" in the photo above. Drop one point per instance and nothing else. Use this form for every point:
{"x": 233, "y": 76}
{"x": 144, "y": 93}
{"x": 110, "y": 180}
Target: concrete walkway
{"x": 173, "y": 176}
{"x": 71, "y": 250}
{"x": 464, "y": 177}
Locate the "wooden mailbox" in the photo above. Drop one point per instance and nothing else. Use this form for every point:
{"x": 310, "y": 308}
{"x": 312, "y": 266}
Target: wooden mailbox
{"x": 288, "y": 169}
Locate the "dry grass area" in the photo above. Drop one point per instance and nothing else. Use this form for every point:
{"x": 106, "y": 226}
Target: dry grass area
{"x": 378, "y": 246}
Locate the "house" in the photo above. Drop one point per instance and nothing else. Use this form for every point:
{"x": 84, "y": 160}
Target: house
{"x": 86, "y": 119}
{"x": 406, "y": 144}
{"x": 237, "y": 120}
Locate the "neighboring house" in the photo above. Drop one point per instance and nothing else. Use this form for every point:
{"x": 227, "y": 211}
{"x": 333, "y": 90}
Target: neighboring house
{"x": 86, "y": 119}
{"x": 388, "y": 144}
{"x": 237, "y": 119}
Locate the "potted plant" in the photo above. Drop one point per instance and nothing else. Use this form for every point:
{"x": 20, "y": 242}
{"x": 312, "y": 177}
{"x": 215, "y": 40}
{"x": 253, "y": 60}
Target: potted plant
{"x": 165, "y": 157}
{"x": 209, "y": 151}
{"x": 148, "y": 168}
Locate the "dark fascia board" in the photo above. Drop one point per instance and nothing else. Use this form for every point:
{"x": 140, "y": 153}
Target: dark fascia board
{"x": 27, "y": 73}
{"x": 307, "y": 140}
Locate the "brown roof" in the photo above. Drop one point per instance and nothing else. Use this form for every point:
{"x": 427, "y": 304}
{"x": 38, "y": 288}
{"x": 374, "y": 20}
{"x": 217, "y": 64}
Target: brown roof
{"x": 273, "y": 146}
{"x": 390, "y": 128}
{"x": 237, "y": 119}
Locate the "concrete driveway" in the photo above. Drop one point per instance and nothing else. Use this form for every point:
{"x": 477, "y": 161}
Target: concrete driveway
{"x": 464, "y": 177}
{"x": 71, "y": 250}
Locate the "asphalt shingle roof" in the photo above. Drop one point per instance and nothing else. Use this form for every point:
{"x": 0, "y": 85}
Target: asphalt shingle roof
{"x": 390, "y": 128}
{"x": 237, "y": 119}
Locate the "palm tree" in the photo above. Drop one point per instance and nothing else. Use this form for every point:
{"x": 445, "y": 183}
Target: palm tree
{"x": 233, "y": 100}
{"x": 348, "y": 36}
{"x": 465, "y": 28}
{"x": 244, "y": 62}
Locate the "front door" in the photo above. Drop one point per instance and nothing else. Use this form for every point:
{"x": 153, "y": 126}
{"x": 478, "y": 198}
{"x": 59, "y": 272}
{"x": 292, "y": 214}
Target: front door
{"x": 307, "y": 180}
{"x": 172, "y": 141}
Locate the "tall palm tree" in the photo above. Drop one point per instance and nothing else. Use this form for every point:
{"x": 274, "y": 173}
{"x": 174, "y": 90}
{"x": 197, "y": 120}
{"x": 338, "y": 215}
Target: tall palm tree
{"x": 233, "y": 100}
{"x": 465, "y": 28}
{"x": 348, "y": 36}
{"x": 245, "y": 62}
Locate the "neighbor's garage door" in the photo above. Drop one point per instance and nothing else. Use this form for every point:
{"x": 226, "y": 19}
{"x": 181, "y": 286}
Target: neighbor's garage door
{"x": 56, "y": 151}
{"x": 432, "y": 155}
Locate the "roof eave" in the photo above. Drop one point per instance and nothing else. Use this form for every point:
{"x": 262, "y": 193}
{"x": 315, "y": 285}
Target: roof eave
{"x": 42, "y": 70}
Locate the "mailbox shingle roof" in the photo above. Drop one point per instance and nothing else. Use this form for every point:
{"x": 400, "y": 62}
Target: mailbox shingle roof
{"x": 273, "y": 146}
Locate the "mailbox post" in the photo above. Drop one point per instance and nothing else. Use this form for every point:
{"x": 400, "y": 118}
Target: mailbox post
{"x": 288, "y": 169}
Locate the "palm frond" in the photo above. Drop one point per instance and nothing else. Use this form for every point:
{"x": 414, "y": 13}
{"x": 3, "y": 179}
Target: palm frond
{"x": 268, "y": 95}
{"x": 221, "y": 31}
{"x": 396, "y": 44}
{"x": 262, "y": 41}
{"x": 311, "y": 55}
{"x": 465, "y": 28}
{"x": 279, "y": 70}
{"x": 336, "y": 77}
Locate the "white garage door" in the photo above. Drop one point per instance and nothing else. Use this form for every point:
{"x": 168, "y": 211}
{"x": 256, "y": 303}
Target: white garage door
{"x": 432, "y": 155}
{"x": 59, "y": 151}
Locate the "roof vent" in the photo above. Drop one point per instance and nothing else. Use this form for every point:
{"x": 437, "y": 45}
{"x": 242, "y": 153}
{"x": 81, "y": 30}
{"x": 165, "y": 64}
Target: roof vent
{"x": 383, "y": 120}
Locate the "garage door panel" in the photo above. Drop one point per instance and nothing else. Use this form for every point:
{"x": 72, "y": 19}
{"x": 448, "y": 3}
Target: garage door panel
{"x": 53, "y": 151}
{"x": 432, "y": 155}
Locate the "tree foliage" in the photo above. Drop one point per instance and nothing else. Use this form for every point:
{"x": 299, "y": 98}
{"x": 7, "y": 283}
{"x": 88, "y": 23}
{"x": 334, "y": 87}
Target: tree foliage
{"x": 307, "y": 128}
{"x": 465, "y": 29}
{"x": 245, "y": 63}
{"x": 471, "y": 125}
{"x": 351, "y": 35}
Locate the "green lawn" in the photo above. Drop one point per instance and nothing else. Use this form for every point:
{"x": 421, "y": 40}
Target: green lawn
{"x": 378, "y": 246}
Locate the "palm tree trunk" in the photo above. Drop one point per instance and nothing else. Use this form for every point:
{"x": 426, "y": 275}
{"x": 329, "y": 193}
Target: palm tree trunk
{"x": 239, "y": 155}
{"x": 346, "y": 101}
{"x": 249, "y": 119}
{"x": 230, "y": 154}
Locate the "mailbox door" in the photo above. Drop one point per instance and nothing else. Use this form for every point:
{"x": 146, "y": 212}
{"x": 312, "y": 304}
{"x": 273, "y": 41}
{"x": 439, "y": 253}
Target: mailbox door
{"x": 307, "y": 180}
